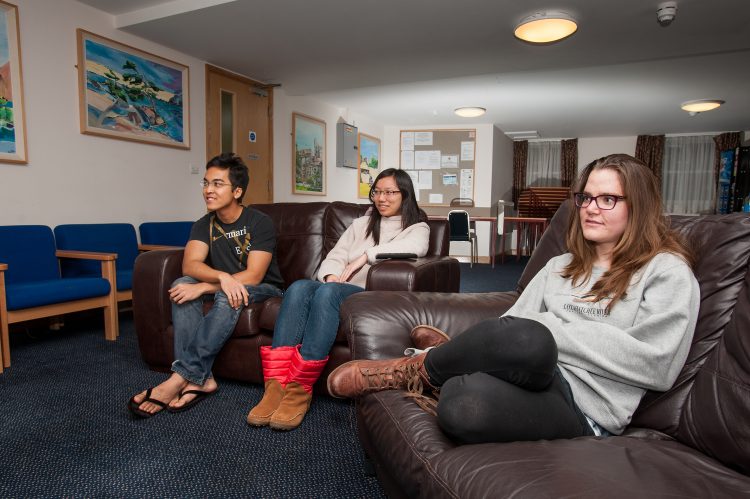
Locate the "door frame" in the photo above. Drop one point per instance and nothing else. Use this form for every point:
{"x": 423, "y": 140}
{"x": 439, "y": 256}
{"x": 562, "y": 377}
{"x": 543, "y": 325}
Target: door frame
{"x": 211, "y": 69}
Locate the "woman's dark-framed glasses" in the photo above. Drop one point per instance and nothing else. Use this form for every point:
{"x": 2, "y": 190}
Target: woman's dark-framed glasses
{"x": 388, "y": 194}
{"x": 603, "y": 201}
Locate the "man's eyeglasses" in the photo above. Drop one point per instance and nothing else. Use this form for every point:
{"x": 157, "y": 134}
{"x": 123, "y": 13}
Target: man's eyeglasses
{"x": 376, "y": 193}
{"x": 603, "y": 201}
{"x": 216, "y": 184}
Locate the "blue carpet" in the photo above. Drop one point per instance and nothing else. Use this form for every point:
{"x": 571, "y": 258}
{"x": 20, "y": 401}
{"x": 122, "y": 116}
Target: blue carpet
{"x": 482, "y": 278}
{"x": 65, "y": 431}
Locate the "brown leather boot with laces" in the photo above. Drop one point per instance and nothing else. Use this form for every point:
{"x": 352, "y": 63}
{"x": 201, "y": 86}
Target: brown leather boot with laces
{"x": 358, "y": 377}
{"x": 424, "y": 337}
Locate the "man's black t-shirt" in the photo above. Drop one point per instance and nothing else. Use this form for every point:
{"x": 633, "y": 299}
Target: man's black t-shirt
{"x": 230, "y": 244}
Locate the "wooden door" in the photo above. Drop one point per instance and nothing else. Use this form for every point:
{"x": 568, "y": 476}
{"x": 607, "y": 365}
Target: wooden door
{"x": 239, "y": 120}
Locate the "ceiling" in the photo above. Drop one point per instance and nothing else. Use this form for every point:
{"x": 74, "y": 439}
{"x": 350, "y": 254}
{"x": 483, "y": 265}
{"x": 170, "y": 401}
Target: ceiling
{"x": 411, "y": 62}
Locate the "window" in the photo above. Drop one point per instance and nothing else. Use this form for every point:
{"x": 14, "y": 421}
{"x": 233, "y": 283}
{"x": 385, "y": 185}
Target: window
{"x": 543, "y": 164}
{"x": 688, "y": 179}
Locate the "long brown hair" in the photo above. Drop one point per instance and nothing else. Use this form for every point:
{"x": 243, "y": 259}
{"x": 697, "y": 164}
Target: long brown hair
{"x": 647, "y": 232}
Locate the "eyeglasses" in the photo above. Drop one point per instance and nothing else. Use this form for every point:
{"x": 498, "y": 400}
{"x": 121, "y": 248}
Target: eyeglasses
{"x": 388, "y": 194}
{"x": 603, "y": 201}
{"x": 216, "y": 184}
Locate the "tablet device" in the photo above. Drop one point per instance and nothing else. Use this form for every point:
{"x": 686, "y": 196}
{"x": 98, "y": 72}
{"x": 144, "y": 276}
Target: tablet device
{"x": 395, "y": 256}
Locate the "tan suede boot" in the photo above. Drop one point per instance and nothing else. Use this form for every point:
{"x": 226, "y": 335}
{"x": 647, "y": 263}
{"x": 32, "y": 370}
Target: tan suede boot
{"x": 276, "y": 362}
{"x": 260, "y": 415}
{"x": 298, "y": 392}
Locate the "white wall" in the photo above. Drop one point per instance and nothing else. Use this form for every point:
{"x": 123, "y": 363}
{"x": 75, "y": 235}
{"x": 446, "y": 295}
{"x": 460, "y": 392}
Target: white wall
{"x": 75, "y": 178}
{"x": 591, "y": 148}
{"x": 341, "y": 183}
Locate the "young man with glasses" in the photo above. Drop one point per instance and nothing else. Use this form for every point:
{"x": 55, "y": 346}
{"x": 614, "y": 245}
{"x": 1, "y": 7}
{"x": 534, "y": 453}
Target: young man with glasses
{"x": 230, "y": 255}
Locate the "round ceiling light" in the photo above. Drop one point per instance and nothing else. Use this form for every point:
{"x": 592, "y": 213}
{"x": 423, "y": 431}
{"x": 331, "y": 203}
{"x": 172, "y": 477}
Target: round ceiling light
{"x": 701, "y": 105}
{"x": 546, "y": 27}
{"x": 470, "y": 112}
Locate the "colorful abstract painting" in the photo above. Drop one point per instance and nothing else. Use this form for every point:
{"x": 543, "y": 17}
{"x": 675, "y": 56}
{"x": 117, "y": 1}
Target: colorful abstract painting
{"x": 12, "y": 125}
{"x": 309, "y": 153}
{"x": 130, "y": 94}
{"x": 369, "y": 163}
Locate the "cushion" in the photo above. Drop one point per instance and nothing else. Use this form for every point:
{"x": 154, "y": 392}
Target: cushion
{"x": 105, "y": 238}
{"x": 29, "y": 251}
{"x": 165, "y": 233}
{"x": 37, "y": 293}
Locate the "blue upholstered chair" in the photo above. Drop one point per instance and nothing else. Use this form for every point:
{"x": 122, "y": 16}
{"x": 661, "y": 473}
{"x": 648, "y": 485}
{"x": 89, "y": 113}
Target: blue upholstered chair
{"x": 31, "y": 286}
{"x": 164, "y": 234}
{"x": 118, "y": 238}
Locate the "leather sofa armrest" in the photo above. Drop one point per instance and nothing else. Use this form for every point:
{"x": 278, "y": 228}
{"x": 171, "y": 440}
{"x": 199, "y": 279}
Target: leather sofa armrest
{"x": 377, "y": 323}
{"x": 153, "y": 274}
{"x": 432, "y": 273}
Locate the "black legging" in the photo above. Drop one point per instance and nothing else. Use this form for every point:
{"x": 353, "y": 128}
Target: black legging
{"x": 500, "y": 383}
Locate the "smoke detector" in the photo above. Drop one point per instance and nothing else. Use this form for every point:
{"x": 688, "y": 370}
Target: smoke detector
{"x": 665, "y": 13}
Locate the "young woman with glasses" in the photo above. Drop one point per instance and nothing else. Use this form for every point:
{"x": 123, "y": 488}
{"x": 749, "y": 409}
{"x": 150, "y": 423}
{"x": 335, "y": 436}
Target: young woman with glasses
{"x": 309, "y": 317}
{"x": 594, "y": 329}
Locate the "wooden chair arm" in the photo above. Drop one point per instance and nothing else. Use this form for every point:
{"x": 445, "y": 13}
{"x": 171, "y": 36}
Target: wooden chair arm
{"x": 152, "y": 247}
{"x": 3, "y": 266}
{"x": 87, "y": 255}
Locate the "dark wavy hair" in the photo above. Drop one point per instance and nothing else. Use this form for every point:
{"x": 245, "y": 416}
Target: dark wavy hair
{"x": 410, "y": 211}
{"x": 238, "y": 173}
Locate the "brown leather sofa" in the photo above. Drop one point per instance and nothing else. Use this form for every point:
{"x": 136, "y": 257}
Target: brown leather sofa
{"x": 691, "y": 441}
{"x": 306, "y": 232}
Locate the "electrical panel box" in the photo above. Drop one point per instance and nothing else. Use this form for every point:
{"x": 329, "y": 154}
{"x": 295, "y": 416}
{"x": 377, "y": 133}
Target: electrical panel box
{"x": 347, "y": 155}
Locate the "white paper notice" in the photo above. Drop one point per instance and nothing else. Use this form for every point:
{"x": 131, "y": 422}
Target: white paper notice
{"x": 467, "y": 151}
{"x": 422, "y": 138}
{"x": 425, "y": 180}
{"x": 414, "y": 178}
{"x": 450, "y": 179}
{"x": 427, "y": 160}
{"x": 449, "y": 161}
{"x": 467, "y": 184}
{"x": 407, "y": 160}
{"x": 407, "y": 141}
{"x": 436, "y": 199}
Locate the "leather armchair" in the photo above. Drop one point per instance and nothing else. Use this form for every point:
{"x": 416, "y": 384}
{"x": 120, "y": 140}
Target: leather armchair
{"x": 691, "y": 441}
{"x": 305, "y": 234}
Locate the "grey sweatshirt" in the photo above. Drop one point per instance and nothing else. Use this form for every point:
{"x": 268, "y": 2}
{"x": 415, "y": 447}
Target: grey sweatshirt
{"x": 353, "y": 244}
{"x": 611, "y": 359}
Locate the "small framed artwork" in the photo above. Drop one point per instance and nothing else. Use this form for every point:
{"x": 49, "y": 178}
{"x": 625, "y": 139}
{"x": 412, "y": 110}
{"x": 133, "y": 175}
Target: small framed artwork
{"x": 12, "y": 122}
{"x": 308, "y": 155}
{"x": 369, "y": 163}
{"x": 129, "y": 94}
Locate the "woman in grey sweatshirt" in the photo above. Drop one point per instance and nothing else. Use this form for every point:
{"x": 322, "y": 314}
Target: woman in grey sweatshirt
{"x": 594, "y": 329}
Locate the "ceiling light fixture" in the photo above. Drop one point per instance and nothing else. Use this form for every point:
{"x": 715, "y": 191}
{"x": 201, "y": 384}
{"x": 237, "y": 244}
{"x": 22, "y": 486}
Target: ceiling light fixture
{"x": 546, "y": 27}
{"x": 470, "y": 112}
{"x": 700, "y": 105}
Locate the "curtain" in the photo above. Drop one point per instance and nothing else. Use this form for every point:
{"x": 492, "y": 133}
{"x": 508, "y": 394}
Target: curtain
{"x": 724, "y": 142}
{"x": 650, "y": 150}
{"x": 543, "y": 164}
{"x": 520, "y": 154}
{"x": 688, "y": 182}
{"x": 568, "y": 162}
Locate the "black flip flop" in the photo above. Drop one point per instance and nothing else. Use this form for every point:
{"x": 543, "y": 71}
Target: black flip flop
{"x": 135, "y": 407}
{"x": 200, "y": 395}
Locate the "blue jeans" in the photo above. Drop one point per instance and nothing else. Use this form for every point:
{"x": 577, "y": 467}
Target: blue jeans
{"x": 310, "y": 315}
{"x": 198, "y": 338}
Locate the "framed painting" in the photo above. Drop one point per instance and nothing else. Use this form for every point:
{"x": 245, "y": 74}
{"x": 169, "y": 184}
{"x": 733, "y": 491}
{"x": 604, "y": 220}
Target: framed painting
{"x": 129, "y": 94}
{"x": 12, "y": 122}
{"x": 369, "y": 163}
{"x": 309, "y": 155}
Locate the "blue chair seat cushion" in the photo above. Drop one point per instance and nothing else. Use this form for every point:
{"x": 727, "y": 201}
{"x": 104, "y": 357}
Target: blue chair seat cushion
{"x": 124, "y": 280}
{"x": 38, "y": 293}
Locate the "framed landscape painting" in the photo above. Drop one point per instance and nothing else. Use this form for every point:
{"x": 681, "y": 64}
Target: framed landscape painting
{"x": 309, "y": 155}
{"x": 125, "y": 93}
{"x": 12, "y": 123}
{"x": 369, "y": 163}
